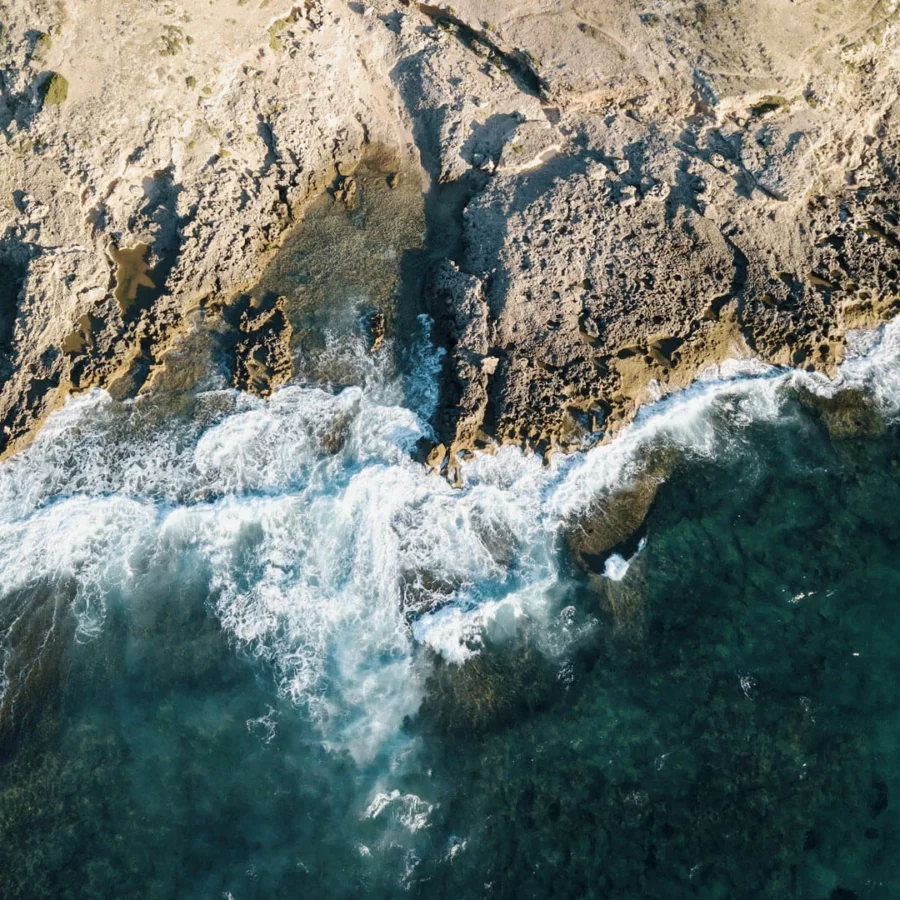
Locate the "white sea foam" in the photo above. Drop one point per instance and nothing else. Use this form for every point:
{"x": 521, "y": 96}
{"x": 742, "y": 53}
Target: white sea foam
{"x": 617, "y": 566}
{"x": 89, "y": 541}
{"x": 409, "y": 810}
{"x": 265, "y": 727}
{"x": 872, "y": 365}
{"x": 329, "y": 554}
{"x": 455, "y": 846}
{"x": 457, "y": 632}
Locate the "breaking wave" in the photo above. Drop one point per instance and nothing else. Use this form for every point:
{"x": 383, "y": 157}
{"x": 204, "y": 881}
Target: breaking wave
{"x": 331, "y": 555}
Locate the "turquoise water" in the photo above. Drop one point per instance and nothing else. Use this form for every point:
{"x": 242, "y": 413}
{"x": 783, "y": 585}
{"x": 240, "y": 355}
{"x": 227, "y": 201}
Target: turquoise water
{"x": 253, "y": 649}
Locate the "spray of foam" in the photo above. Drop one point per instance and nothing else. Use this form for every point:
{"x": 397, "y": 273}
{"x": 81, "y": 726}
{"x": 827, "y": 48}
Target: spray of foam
{"x": 409, "y": 810}
{"x": 617, "y": 566}
{"x": 329, "y": 554}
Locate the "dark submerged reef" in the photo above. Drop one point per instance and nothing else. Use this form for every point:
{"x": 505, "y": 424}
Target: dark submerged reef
{"x": 742, "y": 743}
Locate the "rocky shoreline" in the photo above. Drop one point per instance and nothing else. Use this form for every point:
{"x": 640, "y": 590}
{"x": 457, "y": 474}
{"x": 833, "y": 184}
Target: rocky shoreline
{"x": 616, "y": 197}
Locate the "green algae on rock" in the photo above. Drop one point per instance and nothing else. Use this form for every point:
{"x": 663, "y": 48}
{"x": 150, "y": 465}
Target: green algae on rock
{"x": 42, "y": 44}
{"x": 54, "y": 89}
{"x": 847, "y": 414}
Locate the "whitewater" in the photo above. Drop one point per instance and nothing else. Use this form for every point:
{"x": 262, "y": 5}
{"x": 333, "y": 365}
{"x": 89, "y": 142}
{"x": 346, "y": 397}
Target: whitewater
{"x": 331, "y": 557}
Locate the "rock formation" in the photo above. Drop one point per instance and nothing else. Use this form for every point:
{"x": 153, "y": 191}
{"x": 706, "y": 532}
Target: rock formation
{"x": 618, "y": 195}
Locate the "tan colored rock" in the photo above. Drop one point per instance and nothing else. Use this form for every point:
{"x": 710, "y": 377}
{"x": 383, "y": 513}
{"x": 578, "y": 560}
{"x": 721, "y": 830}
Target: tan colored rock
{"x": 725, "y": 187}
{"x": 182, "y": 130}
{"x": 619, "y": 195}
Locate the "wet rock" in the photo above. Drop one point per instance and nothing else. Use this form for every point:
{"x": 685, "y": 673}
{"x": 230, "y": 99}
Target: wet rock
{"x": 132, "y": 274}
{"x": 488, "y": 689}
{"x": 376, "y": 331}
{"x": 847, "y": 413}
{"x": 623, "y": 602}
{"x": 263, "y": 357}
{"x": 609, "y": 522}
{"x": 436, "y": 457}
{"x": 346, "y": 191}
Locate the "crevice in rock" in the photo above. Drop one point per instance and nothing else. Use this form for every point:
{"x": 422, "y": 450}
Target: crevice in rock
{"x": 517, "y": 63}
{"x": 445, "y": 206}
{"x": 12, "y": 282}
{"x": 877, "y": 230}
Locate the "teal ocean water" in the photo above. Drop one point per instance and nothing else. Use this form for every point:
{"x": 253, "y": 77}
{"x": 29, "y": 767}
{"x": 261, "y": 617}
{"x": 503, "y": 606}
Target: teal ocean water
{"x": 253, "y": 649}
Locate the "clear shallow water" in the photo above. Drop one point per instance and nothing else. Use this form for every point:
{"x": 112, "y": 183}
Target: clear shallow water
{"x": 253, "y": 649}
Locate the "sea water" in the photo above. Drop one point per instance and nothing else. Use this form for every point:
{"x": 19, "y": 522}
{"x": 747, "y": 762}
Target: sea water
{"x": 253, "y": 648}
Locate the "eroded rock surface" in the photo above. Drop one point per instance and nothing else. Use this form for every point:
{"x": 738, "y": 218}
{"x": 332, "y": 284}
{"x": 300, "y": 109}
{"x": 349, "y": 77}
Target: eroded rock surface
{"x": 698, "y": 183}
{"x": 263, "y": 355}
{"x": 619, "y": 195}
{"x": 195, "y": 130}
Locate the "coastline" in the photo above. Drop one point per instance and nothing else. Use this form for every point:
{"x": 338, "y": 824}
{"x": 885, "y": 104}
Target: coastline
{"x": 582, "y": 243}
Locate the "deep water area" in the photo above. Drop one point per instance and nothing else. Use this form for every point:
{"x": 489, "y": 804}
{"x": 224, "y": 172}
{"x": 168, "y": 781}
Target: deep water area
{"x": 741, "y": 738}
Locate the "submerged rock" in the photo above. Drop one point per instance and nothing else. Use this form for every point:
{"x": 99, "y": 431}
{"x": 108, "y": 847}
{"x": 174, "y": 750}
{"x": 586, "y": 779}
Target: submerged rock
{"x": 848, "y": 413}
{"x": 38, "y": 626}
{"x": 488, "y": 689}
{"x": 614, "y": 517}
{"x": 610, "y": 521}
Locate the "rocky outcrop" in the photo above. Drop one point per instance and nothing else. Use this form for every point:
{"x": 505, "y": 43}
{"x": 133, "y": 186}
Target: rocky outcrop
{"x": 620, "y": 195}
{"x": 263, "y": 354}
{"x": 679, "y": 187}
{"x": 187, "y": 143}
